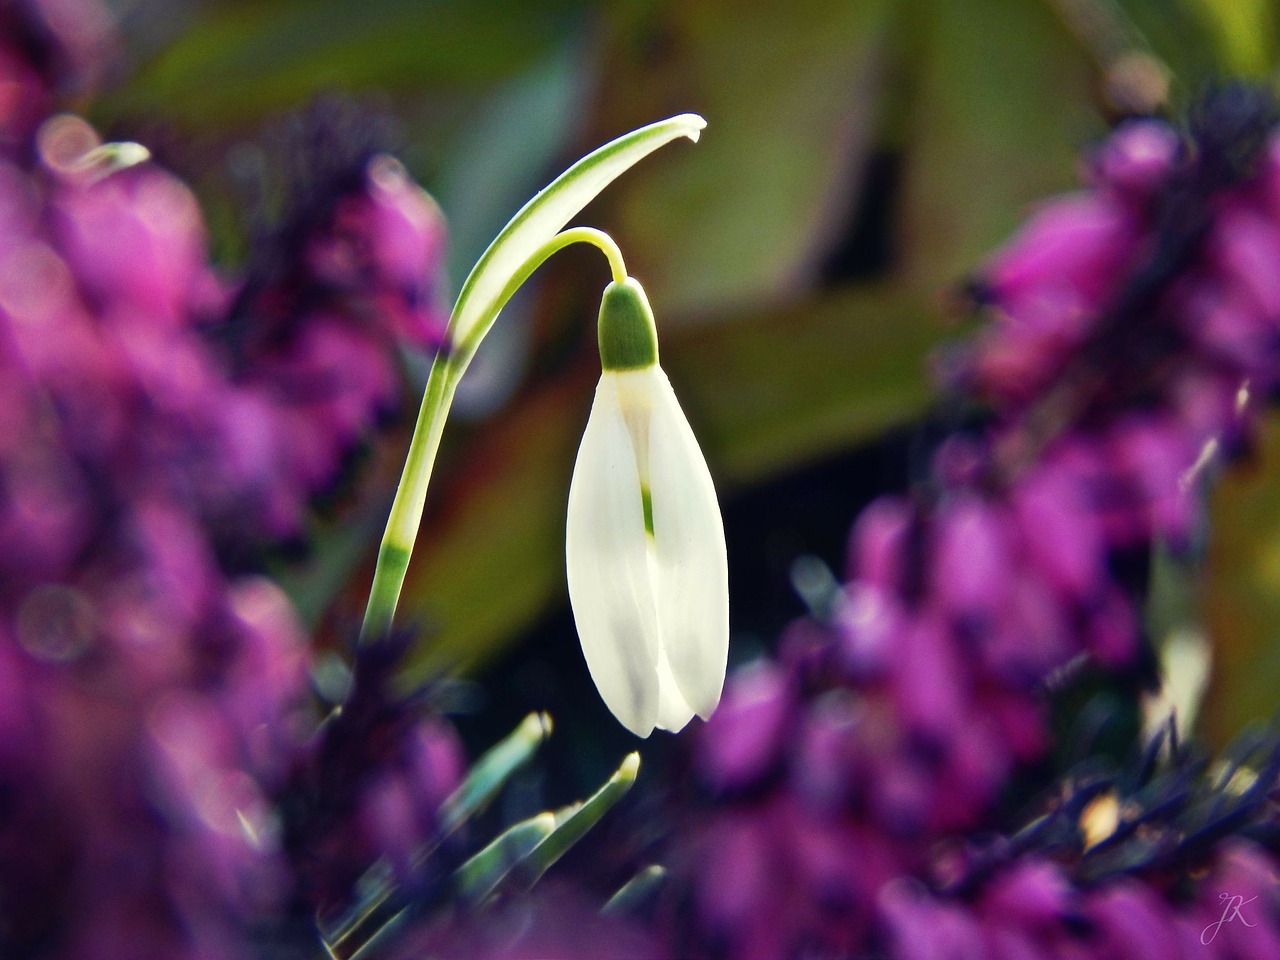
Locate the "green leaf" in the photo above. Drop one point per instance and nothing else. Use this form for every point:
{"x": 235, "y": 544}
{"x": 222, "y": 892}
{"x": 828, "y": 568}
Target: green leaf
{"x": 488, "y": 774}
{"x": 777, "y": 388}
{"x": 996, "y": 121}
{"x": 791, "y": 89}
{"x": 479, "y": 876}
{"x": 1242, "y": 593}
{"x": 239, "y": 61}
{"x": 1244, "y": 33}
{"x": 577, "y": 820}
{"x": 636, "y": 893}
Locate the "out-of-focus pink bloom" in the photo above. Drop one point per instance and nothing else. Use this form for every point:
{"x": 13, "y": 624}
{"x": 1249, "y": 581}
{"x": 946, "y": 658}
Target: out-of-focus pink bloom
{"x": 135, "y": 242}
{"x": 1062, "y": 536}
{"x": 1048, "y": 284}
{"x": 749, "y": 735}
{"x": 971, "y": 560}
{"x": 921, "y": 928}
{"x": 384, "y": 239}
{"x": 48, "y": 48}
{"x": 1129, "y": 919}
{"x": 554, "y": 920}
{"x": 1133, "y": 336}
{"x": 1137, "y": 158}
{"x": 152, "y": 701}
{"x": 1034, "y": 894}
{"x": 878, "y": 543}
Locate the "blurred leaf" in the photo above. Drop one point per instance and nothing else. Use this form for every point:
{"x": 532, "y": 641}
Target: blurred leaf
{"x": 1173, "y": 621}
{"x": 1174, "y": 32}
{"x": 505, "y": 153}
{"x": 578, "y": 820}
{"x": 242, "y": 60}
{"x": 480, "y": 876}
{"x": 488, "y": 774}
{"x": 1242, "y": 595}
{"x": 765, "y": 392}
{"x": 789, "y": 89}
{"x": 363, "y": 931}
{"x": 336, "y": 547}
{"x": 1245, "y": 33}
{"x": 780, "y": 387}
{"x": 637, "y": 893}
{"x": 996, "y": 122}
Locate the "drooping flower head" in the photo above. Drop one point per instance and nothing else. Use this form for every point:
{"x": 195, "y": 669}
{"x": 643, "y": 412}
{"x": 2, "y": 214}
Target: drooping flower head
{"x": 644, "y": 542}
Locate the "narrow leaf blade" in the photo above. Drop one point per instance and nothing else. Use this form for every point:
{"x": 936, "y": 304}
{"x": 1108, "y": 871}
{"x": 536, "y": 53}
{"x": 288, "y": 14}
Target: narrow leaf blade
{"x": 488, "y": 774}
{"x": 572, "y": 828}
{"x": 488, "y": 285}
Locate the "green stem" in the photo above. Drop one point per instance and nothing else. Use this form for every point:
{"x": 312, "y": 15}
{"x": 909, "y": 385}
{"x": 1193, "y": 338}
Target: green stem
{"x": 597, "y": 238}
{"x": 406, "y": 509}
{"x": 446, "y": 370}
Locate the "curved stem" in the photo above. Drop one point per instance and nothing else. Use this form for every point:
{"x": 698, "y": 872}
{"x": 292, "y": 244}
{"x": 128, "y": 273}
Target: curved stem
{"x": 597, "y": 238}
{"x": 442, "y": 382}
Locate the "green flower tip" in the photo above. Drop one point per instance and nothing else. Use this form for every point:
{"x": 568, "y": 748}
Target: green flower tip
{"x": 628, "y": 336}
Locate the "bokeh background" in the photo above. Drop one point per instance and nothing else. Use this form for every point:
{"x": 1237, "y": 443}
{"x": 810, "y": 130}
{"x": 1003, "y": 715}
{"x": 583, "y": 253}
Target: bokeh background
{"x": 806, "y": 261}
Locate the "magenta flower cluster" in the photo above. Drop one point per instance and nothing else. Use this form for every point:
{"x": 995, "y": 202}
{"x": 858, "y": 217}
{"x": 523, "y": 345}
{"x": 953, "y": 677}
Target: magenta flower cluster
{"x": 156, "y": 419}
{"x": 1131, "y": 344}
{"x": 167, "y": 790}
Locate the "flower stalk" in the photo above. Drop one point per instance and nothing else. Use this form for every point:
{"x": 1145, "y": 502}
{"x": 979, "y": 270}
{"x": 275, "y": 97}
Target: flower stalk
{"x": 529, "y": 238}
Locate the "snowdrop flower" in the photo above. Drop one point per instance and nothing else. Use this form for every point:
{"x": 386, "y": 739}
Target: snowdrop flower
{"x": 535, "y": 233}
{"x": 644, "y": 543}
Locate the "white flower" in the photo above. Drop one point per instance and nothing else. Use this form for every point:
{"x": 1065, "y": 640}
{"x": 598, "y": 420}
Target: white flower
{"x": 644, "y": 544}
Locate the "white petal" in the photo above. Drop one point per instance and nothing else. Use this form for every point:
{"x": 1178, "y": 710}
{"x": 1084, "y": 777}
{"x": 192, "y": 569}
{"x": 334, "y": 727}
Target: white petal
{"x": 691, "y": 565}
{"x": 543, "y": 217}
{"x": 674, "y": 711}
{"x": 606, "y": 557}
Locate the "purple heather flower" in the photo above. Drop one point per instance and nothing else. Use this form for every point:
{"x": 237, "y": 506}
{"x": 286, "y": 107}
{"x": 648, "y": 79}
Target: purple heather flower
{"x": 154, "y": 703}
{"x": 971, "y": 553}
{"x": 48, "y": 49}
{"x": 1136, "y": 159}
{"x": 1133, "y": 334}
{"x": 367, "y": 786}
{"x": 134, "y": 240}
{"x": 554, "y": 921}
{"x": 382, "y": 239}
{"x": 1239, "y": 903}
{"x": 921, "y": 927}
{"x": 1068, "y": 547}
{"x": 1034, "y": 909}
{"x": 1048, "y": 284}
{"x": 742, "y": 750}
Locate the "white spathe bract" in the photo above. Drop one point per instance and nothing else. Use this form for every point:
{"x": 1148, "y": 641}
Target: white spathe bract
{"x": 652, "y": 608}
